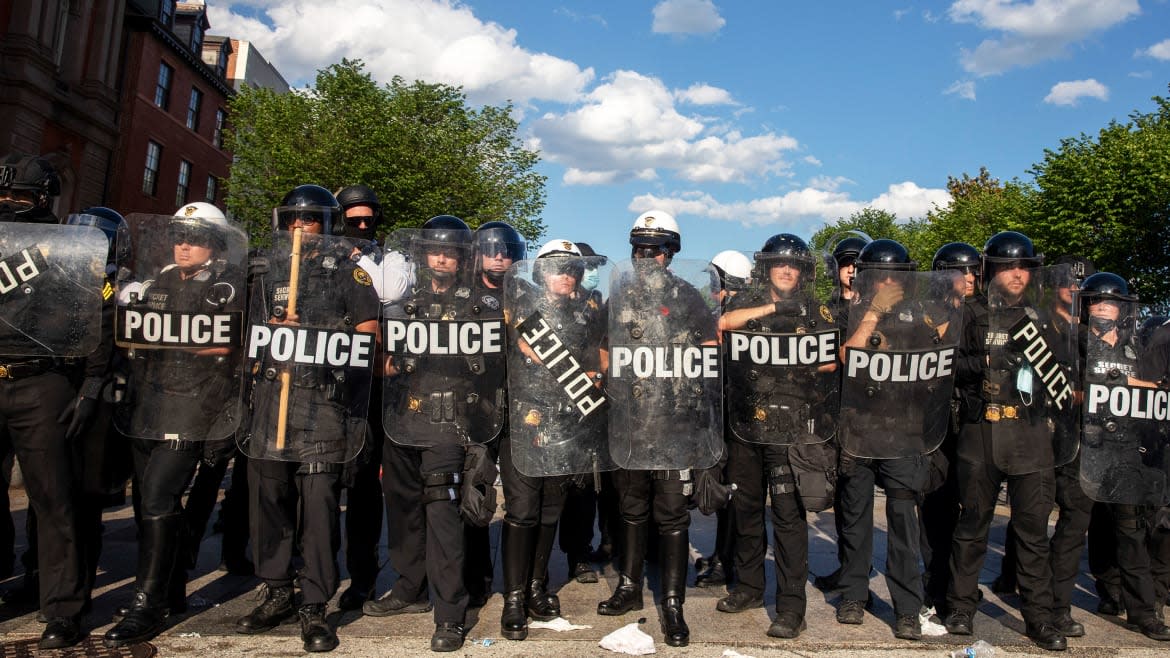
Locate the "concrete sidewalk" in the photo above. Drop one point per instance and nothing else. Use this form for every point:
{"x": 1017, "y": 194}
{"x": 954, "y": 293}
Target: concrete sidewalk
{"x": 217, "y": 599}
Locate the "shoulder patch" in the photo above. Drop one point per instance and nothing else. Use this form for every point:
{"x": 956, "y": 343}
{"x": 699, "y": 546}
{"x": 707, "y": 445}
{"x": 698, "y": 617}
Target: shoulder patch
{"x": 491, "y": 302}
{"x": 107, "y": 291}
{"x": 362, "y": 277}
{"x": 826, "y": 314}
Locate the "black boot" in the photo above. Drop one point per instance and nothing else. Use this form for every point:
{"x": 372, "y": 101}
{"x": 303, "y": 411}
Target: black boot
{"x": 628, "y": 595}
{"x": 542, "y": 605}
{"x": 158, "y": 549}
{"x": 517, "y": 543}
{"x": 674, "y": 554}
{"x": 315, "y": 631}
{"x": 276, "y": 608}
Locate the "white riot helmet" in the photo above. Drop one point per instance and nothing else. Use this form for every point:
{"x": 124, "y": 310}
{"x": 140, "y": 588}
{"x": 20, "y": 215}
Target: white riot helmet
{"x": 734, "y": 268}
{"x": 564, "y": 247}
{"x": 656, "y": 228}
{"x": 201, "y": 222}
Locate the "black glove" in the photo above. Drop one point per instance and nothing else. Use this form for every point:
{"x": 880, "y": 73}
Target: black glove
{"x": 711, "y": 495}
{"x": 478, "y": 497}
{"x": 789, "y": 307}
{"x": 257, "y": 265}
{"x": 78, "y": 413}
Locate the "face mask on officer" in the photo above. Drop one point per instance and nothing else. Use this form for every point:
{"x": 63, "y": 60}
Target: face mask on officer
{"x": 591, "y": 279}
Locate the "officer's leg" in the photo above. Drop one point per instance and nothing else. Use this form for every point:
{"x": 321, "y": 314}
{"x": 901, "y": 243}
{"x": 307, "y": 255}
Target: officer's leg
{"x": 517, "y": 542}
{"x": 790, "y": 539}
{"x": 32, "y": 406}
{"x": 477, "y": 554}
{"x": 978, "y": 489}
{"x": 856, "y": 510}
{"x": 1133, "y": 559}
{"x": 233, "y": 514}
{"x": 1103, "y": 560}
{"x": 402, "y": 485}
{"x": 673, "y": 519}
{"x": 1031, "y": 498}
{"x": 1067, "y": 545}
{"x": 903, "y": 480}
{"x": 747, "y": 469}
{"x": 320, "y": 494}
{"x": 633, "y": 491}
{"x": 273, "y": 511}
{"x": 200, "y": 504}
{"x": 442, "y": 469}
{"x": 576, "y": 530}
{"x": 542, "y": 604}
{"x": 7, "y": 526}
{"x": 940, "y": 514}
{"x": 363, "y": 526}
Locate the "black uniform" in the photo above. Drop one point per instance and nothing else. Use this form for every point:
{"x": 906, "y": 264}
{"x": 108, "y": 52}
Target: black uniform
{"x": 1031, "y": 495}
{"x": 332, "y": 288}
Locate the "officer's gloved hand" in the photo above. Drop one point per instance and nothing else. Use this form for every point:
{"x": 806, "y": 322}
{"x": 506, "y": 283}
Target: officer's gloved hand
{"x": 711, "y": 495}
{"x": 477, "y": 503}
{"x": 78, "y": 413}
{"x": 257, "y": 265}
{"x": 885, "y": 299}
{"x": 788, "y": 307}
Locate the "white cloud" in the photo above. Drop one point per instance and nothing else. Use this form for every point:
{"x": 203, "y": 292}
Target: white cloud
{"x": 439, "y": 41}
{"x": 1070, "y": 92}
{"x": 1033, "y": 31}
{"x": 962, "y": 88}
{"x": 629, "y": 125}
{"x": 812, "y": 160}
{"x": 704, "y": 94}
{"x": 828, "y": 183}
{"x": 1160, "y": 51}
{"x": 687, "y": 17}
{"x": 906, "y": 200}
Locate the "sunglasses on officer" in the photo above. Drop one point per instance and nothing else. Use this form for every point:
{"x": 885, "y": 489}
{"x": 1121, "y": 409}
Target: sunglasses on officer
{"x": 649, "y": 251}
{"x": 305, "y": 218}
{"x": 192, "y": 236}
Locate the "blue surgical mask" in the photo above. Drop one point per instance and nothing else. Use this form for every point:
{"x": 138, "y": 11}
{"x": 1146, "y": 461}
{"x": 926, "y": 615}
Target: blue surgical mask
{"x": 591, "y": 279}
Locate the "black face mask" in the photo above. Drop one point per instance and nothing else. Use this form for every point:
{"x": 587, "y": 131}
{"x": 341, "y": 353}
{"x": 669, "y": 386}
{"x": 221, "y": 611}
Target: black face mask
{"x": 1102, "y": 325}
{"x": 355, "y": 232}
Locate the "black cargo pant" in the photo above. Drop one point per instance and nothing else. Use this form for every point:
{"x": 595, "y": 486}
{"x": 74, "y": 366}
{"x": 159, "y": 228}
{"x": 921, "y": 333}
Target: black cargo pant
{"x": 363, "y": 501}
{"x": 274, "y": 490}
{"x": 426, "y": 537}
{"x": 757, "y": 473}
{"x": 29, "y": 407}
{"x": 903, "y": 480}
{"x": 1143, "y": 558}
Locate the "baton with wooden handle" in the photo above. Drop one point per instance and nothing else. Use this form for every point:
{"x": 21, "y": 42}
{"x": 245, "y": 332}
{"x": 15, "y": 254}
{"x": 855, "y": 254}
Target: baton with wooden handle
{"x": 291, "y": 309}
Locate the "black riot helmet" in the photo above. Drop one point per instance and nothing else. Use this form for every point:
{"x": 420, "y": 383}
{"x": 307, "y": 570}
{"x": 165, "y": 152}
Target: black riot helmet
{"x": 442, "y": 232}
{"x": 957, "y": 256}
{"x": 27, "y": 187}
{"x": 310, "y": 203}
{"x": 111, "y": 223}
{"x": 847, "y": 250}
{"x": 1100, "y": 287}
{"x": 885, "y": 254}
{"x": 784, "y": 248}
{"x": 1008, "y": 249}
{"x": 493, "y": 239}
{"x": 360, "y": 195}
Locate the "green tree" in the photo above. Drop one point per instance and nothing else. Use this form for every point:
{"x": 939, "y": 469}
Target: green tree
{"x": 416, "y": 144}
{"x": 870, "y": 221}
{"x": 980, "y": 207}
{"x": 1107, "y": 197}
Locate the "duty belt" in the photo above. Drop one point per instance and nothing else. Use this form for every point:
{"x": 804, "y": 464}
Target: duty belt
{"x": 25, "y": 369}
{"x": 441, "y": 406}
{"x": 994, "y": 412}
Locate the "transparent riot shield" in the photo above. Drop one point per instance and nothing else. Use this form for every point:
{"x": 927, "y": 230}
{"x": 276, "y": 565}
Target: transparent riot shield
{"x": 52, "y": 283}
{"x": 445, "y": 341}
{"x": 782, "y": 370}
{"x": 180, "y": 319}
{"x": 1029, "y": 406}
{"x": 310, "y": 370}
{"x": 1123, "y": 445}
{"x": 664, "y": 379}
{"x": 556, "y": 329}
{"x": 898, "y": 370}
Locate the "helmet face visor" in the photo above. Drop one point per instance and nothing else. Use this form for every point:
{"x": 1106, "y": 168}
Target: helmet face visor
{"x": 17, "y": 200}
{"x": 186, "y": 233}
{"x": 288, "y": 216}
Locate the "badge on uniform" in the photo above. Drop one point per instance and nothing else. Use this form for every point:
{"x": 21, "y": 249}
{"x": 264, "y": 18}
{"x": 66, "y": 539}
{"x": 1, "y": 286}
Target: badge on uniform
{"x": 362, "y": 277}
{"x": 826, "y": 314}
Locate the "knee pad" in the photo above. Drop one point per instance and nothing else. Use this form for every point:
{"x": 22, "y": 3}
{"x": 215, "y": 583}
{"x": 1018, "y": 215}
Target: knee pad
{"x": 674, "y": 482}
{"x": 781, "y": 480}
{"x": 438, "y": 487}
{"x": 901, "y": 494}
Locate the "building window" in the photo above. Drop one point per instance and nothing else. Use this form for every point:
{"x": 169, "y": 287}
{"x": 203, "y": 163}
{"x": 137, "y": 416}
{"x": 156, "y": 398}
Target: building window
{"x": 150, "y": 175}
{"x": 59, "y": 39}
{"x": 197, "y": 36}
{"x": 166, "y": 12}
{"x": 184, "y": 182}
{"x": 162, "y": 91}
{"x": 212, "y": 189}
{"x": 193, "y": 109}
{"x": 217, "y": 136}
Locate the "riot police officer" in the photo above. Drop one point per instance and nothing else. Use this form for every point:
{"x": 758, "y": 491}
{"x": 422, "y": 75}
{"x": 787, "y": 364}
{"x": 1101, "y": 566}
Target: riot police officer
{"x": 42, "y": 405}
{"x": 1123, "y": 462}
{"x": 940, "y": 503}
{"x": 176, "y": 397}
{"x": 652, "y": 303}
{"x": 887, "y": 316}
{"x": 770, "y": 410}
{"x": 322, "y": 425}
{"x": 1002, "y": 439}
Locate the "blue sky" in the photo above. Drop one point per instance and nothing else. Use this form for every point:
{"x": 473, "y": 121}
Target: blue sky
{"x": 748, "y": 118}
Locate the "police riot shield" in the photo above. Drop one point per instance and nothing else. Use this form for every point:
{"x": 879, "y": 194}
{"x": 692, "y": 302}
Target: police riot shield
{"x": 898, "y": 370}
{"x": 782, "y": 370}
{"x": 180, "y": 320}
{"x": 664, "y": 380}
{"x": 309, "y": 367}
{"x": 556, "y": 328}
{"x": 52, "y": 284}
{"x": 1123, "y": 442}
{"x": 445, "y": 343}
{"x": 1028, "y": 402}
